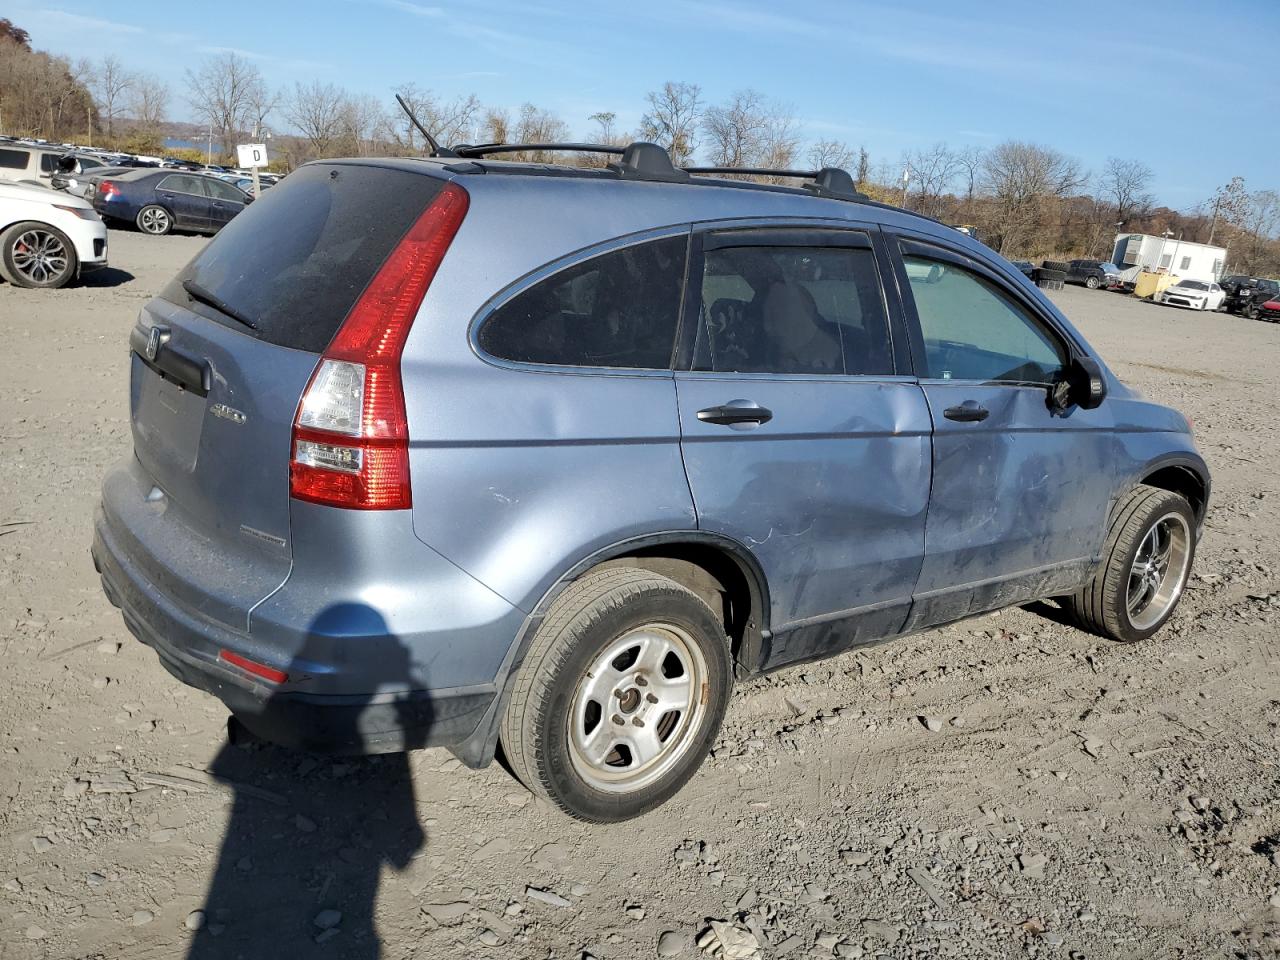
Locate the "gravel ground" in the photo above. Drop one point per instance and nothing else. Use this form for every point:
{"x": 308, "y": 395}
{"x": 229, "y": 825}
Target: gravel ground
{"x": 1066, "y": 797}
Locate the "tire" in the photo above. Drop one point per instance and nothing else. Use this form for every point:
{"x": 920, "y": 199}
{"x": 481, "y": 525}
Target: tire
{"x": 154, "y": 219}
{"x": 1091, "y": 283}
{"x": 1104, "y": 605}
{"x": 37, "y": 255}
{"x": 595, "y": 662}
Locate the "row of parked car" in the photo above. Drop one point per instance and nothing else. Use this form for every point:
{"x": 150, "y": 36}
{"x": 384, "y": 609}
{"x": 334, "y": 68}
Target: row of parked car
{"x": 1252, "y": 297}
{"x": 54, "y": 201}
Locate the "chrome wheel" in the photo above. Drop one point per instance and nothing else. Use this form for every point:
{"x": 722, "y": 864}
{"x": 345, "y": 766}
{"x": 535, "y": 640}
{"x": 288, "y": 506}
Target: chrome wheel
{"x": 154, "y": 220}
{"x": 1159, "y": 571}
{"x": 637, "y": 708}
{"x": 39, "y": 256}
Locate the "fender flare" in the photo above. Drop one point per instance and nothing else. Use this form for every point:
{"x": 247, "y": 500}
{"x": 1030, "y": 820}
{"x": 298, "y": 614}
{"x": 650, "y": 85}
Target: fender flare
{"x": 478, "y": 749}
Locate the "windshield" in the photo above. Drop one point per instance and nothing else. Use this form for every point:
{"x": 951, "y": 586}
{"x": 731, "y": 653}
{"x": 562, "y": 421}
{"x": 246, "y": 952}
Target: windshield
{"x": 1192, "y": 285}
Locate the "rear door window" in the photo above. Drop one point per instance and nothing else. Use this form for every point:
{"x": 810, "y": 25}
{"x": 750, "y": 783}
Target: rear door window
{"x": 298, "y": 259}
{"x": 792, "y": 310}
{"x": 13, "y": 159}
{"x": 619, "y": 309}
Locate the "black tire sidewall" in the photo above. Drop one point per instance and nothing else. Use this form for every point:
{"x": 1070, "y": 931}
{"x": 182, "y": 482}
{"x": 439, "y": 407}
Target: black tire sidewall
{"x": 10, "y": 271}
{"x": 675, "y": 606}
{"x": 1118, "y": 574}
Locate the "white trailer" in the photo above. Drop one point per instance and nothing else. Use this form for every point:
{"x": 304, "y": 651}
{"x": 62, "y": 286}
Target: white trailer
{"x": 1181, "y": 258}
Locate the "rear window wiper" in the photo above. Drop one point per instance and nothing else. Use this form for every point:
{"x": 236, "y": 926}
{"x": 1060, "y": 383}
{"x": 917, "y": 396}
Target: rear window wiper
{"x": 197, "y": 292}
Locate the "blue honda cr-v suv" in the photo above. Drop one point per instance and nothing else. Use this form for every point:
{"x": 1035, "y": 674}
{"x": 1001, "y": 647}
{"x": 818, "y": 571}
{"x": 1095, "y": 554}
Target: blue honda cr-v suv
{"x": 475, "y": 453}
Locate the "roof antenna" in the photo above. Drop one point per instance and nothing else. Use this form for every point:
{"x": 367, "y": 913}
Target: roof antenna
{"x": 436, "y": 149}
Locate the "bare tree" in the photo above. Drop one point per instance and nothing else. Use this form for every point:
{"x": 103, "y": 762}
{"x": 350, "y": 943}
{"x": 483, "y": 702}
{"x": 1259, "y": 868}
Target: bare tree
{"x": 1024, "y": 180}
{"x": 496, "y": 126}
{"x": 831, "y": 153}
{"x": 361, "y": 115}
{"x": 538, "y": 125}
{"x": 672, "y": 119}
{"x": 864, "y": 166}
{"x": 1124, "y": 183}
{"x": 734, "y": 132}
{"x": 1262, "y": 217}
{"x": 148, "y": 102}
{"x": 110, "y": 83}
{"x": 1230, "y": 207}
{"x": 932, "y": 169}
{"x": 968, "y": 168}
{"x": 227, "y": 93}
{"x": 319, "y": 111}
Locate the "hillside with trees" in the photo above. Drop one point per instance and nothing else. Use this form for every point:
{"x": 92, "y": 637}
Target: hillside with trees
{"x": 1026, "y": 200}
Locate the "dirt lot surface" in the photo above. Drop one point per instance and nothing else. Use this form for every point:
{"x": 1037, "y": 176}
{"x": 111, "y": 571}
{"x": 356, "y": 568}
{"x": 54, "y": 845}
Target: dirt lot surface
{"x": 1067, "y": 798}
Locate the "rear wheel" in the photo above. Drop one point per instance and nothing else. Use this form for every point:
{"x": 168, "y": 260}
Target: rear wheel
{"x": 1151, "y": 543}
{"x": 154, "y": 219}
{"x": 620, "y": 697}
{"x": 37, "y": 255}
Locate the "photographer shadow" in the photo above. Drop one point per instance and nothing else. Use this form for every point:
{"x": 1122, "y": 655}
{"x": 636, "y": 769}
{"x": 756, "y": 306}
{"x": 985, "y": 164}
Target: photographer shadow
{"x": 309, "y": 836}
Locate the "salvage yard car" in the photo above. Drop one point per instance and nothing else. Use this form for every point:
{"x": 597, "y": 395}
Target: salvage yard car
{"x": 1195, "y": 294}
{"x": 157, "y": 201}
{"x": 481, "y": 454}
{"x": 47, "y": 238}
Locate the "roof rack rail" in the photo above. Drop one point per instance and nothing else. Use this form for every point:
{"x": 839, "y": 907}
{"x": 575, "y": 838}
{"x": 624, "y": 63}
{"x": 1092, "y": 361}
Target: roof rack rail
{"x": 485, "y": 149}
{"x": 827, "y": 182}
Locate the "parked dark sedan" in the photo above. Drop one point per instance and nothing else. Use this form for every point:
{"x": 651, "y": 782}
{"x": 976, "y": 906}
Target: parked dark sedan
{"x": 1094, "y": 274}
{"x": 159, "y": 201}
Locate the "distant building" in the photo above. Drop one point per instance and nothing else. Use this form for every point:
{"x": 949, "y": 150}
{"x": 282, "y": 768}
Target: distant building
{"x": 1181, "y": 258}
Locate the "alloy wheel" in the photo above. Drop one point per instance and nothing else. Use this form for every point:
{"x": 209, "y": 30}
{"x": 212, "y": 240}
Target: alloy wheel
{"x": 40, "y": 256}
{"x": 1159, "y": 571}
{"x": 154, "y": 220}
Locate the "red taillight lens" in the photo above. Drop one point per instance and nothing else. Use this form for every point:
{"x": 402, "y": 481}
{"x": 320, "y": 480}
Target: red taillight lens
{"x": 351, "y": 433}
{"x": 108, "y": 190}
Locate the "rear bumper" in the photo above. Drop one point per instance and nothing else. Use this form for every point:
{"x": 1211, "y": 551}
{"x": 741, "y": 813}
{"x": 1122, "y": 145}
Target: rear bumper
{"x": 356, "y": 723}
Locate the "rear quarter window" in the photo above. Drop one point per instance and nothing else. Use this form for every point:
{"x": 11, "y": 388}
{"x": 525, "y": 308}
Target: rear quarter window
{"x": 296, "y": 261}
{"x": 13, "y": 159}
{"x": 618, "y": 309}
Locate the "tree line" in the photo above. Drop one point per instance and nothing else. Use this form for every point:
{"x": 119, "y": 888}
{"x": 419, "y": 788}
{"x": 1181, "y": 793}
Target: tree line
{"x": 1025, "y": 200}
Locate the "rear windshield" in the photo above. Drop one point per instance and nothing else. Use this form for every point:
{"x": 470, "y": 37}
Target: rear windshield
{"x": 295, "y": 261}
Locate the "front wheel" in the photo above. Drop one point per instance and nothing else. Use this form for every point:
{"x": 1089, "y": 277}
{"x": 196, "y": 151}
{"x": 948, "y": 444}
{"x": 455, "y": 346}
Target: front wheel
{"x": 620, "y": 697}
{"x": 1092, "y": 283}
{"x": 37, "y": 255}
{"x": 154, "y": 219}
{"x": 1151, "y": 543}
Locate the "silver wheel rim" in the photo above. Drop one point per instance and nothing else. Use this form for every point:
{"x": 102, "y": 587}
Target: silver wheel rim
{"x": 637, "y": 708}
{"x": 155, "y": 221}
{"x": 1159, "y": 571}
{"x": 39, "y": 256}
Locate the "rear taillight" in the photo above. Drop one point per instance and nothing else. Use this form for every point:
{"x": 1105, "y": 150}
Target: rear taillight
{"x": 108, "y": 190}
{"x": 351, "y": 433}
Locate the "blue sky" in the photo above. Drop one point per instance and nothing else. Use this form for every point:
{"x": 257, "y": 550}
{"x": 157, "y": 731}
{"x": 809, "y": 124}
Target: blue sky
{"x": 1092, "y": 80}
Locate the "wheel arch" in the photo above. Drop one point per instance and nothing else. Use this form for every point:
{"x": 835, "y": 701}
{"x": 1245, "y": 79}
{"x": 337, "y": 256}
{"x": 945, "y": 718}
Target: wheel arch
{"x": 723, "y": 572}
{"x": 1183, "y": 475}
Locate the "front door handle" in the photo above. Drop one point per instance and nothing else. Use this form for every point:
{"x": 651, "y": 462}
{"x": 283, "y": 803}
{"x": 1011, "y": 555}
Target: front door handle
{"x": 968, "y": 412}
{"x": 736, "y": 413}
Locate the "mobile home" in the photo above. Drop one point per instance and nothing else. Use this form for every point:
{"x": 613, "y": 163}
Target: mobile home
{"x": 1181, "y": 258}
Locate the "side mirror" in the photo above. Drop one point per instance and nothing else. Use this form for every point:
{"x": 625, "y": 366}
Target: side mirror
{"x": 1082, "y": 384}
{"x": 1088, "y": 383}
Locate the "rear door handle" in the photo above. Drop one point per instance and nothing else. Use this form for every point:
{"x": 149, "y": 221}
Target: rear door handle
{"x": 968, "y": 412}
{"x": 736, "y": 412}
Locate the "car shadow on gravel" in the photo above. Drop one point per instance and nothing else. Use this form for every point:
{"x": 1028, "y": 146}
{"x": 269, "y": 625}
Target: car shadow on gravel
{"x": 309, "y": 835}
{"x": 106, "y": 277}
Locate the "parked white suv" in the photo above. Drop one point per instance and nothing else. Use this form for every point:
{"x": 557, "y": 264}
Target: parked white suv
{"x": 47, "y": 237}
{"x": 28, "y": 163}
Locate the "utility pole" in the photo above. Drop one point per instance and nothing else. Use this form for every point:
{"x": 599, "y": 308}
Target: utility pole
{"x": 906, "y": 181}
{"x": 1213, "y": 224}
{"x": 208, "y": 157}
{"x": 257, "y": 186}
